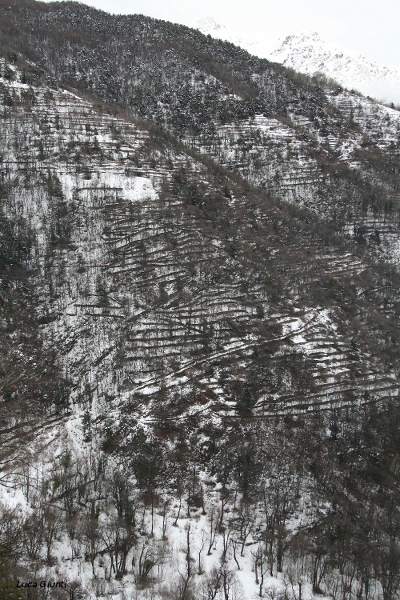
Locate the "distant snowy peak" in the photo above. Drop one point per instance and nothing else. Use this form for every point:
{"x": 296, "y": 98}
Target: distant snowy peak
{"x": 209, "y": 26}
{"x": 309, "y": 53}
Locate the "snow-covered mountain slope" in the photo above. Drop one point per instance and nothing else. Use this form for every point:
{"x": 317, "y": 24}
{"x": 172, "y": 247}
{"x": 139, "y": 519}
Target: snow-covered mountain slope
{"x": 179, "y": 303}
{"x": 162, "y": 302}
{"x": 217, "y": 287}
{"x": 309, "y": 53}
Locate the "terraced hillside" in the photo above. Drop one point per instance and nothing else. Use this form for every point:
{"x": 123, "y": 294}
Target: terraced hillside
{"x": 199, "y": 357}
{"x": 154, "y": 268}
{"x": 310, "y": 143}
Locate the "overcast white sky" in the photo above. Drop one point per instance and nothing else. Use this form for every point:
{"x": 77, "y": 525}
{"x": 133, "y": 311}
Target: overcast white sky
{"x": 371, "y": 27}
